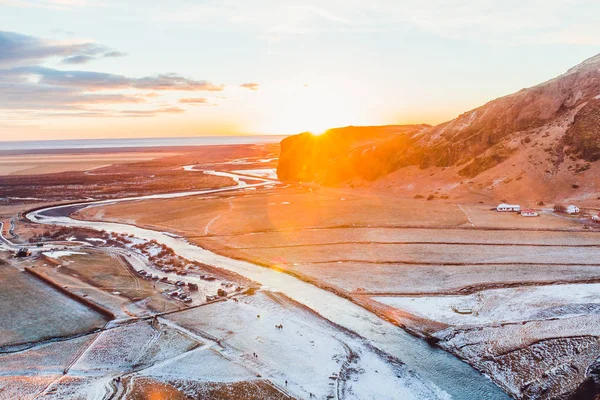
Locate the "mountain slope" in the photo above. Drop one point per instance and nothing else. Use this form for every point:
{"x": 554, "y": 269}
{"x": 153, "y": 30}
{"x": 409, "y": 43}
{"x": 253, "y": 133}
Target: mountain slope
{"x": 543, "y": 139}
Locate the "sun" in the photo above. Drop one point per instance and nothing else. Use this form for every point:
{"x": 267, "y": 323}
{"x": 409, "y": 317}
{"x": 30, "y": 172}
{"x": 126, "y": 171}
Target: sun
{"x": 313, "y": 110}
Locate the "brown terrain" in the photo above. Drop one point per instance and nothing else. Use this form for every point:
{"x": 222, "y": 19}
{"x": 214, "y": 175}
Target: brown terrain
{"x": 130, "y": 172}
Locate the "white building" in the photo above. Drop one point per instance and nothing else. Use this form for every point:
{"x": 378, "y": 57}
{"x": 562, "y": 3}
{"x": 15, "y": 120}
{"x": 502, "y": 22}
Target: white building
{"x": 596, "y": 218}
{"x": 572, "y": 209}
{"x": 529, "y": 213}
{"x": 508, "y": 207}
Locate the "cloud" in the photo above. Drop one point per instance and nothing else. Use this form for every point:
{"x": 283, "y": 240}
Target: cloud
{"x": 98, "y": 113}
{"x": 92, "y": 81}
{"x": 84, "y": 59}
{"x": 28, "y": 96}
{"x": 114, "y": 54}
{"x": 17, "y": 50}
{"x": 250, "y": 86}
{"x": 27, "y": 86}
{"x": 75, "y": 60}
{"x": 195, "y": 101}
{"x": 146, "y": 113}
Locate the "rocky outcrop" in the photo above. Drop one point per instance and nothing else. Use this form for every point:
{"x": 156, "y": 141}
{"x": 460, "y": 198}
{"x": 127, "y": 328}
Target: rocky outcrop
{"x": 343, "y": 153}
{"x": 584, "y": 135}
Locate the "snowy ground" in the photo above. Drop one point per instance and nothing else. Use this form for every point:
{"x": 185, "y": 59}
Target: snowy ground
{"x": 216, "y": 343}
{"x": 536, "y": 341}
{"x": 313, "y": 355}
{"x": 504, "y": 305}
{"x": 60, "y": 253}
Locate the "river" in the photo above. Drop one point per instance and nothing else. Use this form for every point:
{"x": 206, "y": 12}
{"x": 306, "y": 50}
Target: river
{"x": 447, "y": 372}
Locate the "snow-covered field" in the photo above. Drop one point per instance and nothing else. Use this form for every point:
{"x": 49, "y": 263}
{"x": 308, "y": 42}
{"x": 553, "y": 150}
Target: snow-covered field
{"x": 536, "y": 341}
{"x": 504, "y": 305}
{"x": 224, "y": 342}
{"x": 311, "y": 354}
{"x": 60, "y": 253}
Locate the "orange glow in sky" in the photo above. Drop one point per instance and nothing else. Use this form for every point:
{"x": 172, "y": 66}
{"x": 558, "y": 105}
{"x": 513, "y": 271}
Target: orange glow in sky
{"x": 271, "y": 67}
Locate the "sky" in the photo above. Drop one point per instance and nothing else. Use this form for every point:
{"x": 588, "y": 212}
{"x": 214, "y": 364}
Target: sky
{"x": 144, "y": 68}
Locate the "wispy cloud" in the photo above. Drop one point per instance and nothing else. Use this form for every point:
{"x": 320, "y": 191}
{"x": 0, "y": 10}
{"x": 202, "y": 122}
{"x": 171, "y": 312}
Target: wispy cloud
{"x": 92, "y": 81}
{"x": 195, "y": 101}
{"x": 28, "y": 96}
{"x": 18, "y": 49}
{"x": 250, "y": 86}
{"x": 26, "y": 85}
{"x": 148, "y": 113}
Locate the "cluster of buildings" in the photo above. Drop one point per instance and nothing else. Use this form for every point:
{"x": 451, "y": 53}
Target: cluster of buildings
{"x": 503, "y": 207}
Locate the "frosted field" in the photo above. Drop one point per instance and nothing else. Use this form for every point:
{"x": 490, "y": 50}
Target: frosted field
{"x": 536, "y": 341}
{"x": 128, "y": 347}
{"x": 211, "y": 349}
{"x": 423, "y": 279}
{"x": 308, "y": 352}
{"x": 504, "y": 305}
{"x": 32, "y": 311}
{"x": 540, "y": 359}
{"x": 439, "y": 254}
{"x": 402, "y": 235}
{"x": 407, "y": 261}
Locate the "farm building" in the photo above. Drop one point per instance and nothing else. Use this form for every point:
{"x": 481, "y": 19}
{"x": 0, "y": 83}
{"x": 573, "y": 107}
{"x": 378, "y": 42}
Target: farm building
{"x": 508, "y": 207}
{"x": 572, "y": 209}
{"x": 529, "y": 213}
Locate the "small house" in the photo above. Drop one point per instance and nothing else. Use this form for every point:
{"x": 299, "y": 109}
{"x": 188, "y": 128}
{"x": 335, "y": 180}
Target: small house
{"x": 572, "y": 209}
{"x": 508, "y": 208}
{"x": 596, "y": 218}
{"x": 529, "y": 213}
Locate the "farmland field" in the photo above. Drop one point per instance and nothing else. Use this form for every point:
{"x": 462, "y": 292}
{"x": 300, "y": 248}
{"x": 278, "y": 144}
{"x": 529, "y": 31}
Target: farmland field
{"x": 31, "y": 311}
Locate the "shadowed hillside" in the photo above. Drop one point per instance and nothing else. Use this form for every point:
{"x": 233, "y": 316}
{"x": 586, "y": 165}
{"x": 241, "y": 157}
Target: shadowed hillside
{"x": 343, "y": 153}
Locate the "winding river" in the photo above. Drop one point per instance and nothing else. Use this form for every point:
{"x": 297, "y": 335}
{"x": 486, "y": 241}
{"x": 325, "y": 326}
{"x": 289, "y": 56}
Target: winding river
{"x": 447, "y": 372}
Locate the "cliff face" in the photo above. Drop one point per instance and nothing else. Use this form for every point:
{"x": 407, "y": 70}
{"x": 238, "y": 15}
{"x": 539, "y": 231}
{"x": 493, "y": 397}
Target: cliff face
{"x": 566, "y": 108}
{"x": 343, "y": 153}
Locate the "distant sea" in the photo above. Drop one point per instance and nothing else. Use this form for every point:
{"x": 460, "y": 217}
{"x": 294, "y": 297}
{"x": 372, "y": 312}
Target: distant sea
{"x": 135, "y": 142}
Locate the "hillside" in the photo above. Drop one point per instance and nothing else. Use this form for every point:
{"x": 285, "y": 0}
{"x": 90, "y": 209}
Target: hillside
{"x": 540, "y": 143}
{"x": 339, "y": 154}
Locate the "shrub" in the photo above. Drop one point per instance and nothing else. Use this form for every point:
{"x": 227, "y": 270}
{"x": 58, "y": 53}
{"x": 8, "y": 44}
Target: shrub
{"x": 418, "y": 196}
{"x": 560, "y": 208}
{"x": 430, "y": 197}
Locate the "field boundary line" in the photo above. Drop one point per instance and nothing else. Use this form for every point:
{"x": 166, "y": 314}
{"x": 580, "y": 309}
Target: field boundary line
{"x": 466, "y": 215}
